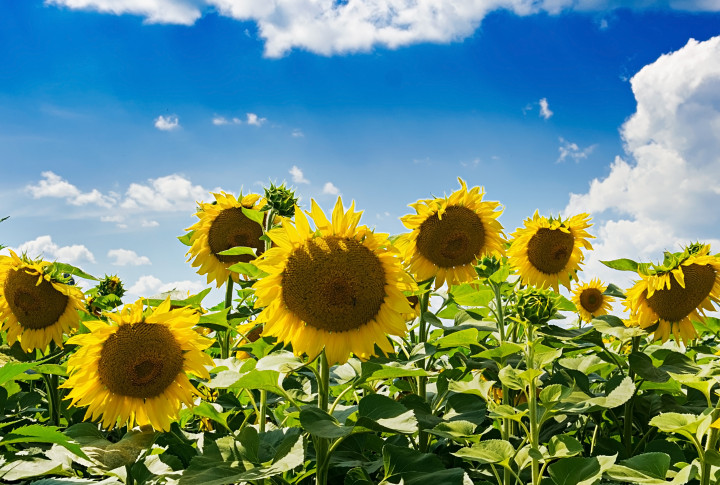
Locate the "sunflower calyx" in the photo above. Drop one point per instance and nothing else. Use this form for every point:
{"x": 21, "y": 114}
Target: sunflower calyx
{"x": 672, "y": 261}
{"x": 280, "y": 199}
{"x": 488, "y": 266}
{"x": 536, "y": 306}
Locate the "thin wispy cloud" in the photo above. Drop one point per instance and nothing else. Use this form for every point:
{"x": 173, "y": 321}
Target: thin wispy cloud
{"x": 297, "y": 133}
{"x": 221, "y": 121}
{"x": 570, "y": 150}
{"x": 297, "y": 175}
{"x": 167, "y": 123}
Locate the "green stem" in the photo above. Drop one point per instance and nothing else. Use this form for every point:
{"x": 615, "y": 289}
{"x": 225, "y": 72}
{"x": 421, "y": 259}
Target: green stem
{"x": 53, "y": 394}
{"x": 500, "y": 314}
{"x": 262, "y": 415}
{"x": 627, "y": 418}
{"x": 129, "y": 480}
{"x": 710, "y": 444}
{"x": 532, "y": 405}
{"x": 321, "y": 444}
{"x": 225, "y": 337}
{"x": 423, "y": 437}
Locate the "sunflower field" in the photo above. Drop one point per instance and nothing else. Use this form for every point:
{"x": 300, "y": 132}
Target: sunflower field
{"x": 340, "y": 355}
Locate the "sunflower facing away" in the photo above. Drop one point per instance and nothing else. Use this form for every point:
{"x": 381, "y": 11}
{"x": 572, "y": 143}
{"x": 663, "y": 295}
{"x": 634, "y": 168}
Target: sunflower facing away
{"x": 339, "y": 287}
{"x": 674, "y": 294}
{"x": 548, "y": 251}
{"x": 449, "y": 235}
{"x": 590, "y": 300}
{"x": 34, "y": 308}
{"x": 133, "y": 368}
{"x": 222, "y": 226}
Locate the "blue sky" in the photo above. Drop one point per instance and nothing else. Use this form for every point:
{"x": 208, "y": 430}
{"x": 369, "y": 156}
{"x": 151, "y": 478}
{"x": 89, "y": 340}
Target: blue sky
{"x": 115, "y": 118}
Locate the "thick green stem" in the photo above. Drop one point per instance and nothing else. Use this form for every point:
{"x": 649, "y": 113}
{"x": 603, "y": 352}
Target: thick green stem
{"x": 269, "y": 217}
{"x": 226, "y": 335}
{"x": 321, "y": 444}
{"x": 500, "y": 314}
{"x": 710, "y": 444}
{"x": 532, "y": 405}
{"x": 423, "y": 437}
{"x": 53, "y": 394}
{"x": 628, "y": 415}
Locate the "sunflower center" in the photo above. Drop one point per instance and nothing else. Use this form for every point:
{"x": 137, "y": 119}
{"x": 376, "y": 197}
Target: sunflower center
{"x": 334, "y": 284}
{"x": 34, "y": 306}
{"x": 549, "y": 250}
{"x": 675, "y": 304}
{"x": 591, "y": 300}
{"x": 232, "y": 228}
{"x": 140, "y": 360}
{"x": 455, "y": 240}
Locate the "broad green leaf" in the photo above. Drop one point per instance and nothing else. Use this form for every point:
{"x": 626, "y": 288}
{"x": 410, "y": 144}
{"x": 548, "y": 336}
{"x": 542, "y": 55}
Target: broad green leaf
{"x": 506, "y": 411}
{"x": 686, "y": 424}
{"x": 216, "y": 320}
{"x": 70, "y": 269}
{"x": 212, "y": 411}
{"x": 511, "y": 377}
{"x": 587, "y": 364}
{"x": 475, "y": 386}
{"x": 397, "y": 461}
{"x": 466, "y": 295}
{"x": 643, "y": 366}
{"x": 618, "y": 396}
{"x": 358, "y": 476}
{"x": 463, "y": 338}
{"x": 238, "y": 251}
{"x": 12, "y": 369}
{"x": 614, "y": 291}
{"x": 432, "y": 320}
{"x": 554, "y": 393}
{"x": 37, "y": 433}
{"x": 458, "y": 430}
{"x": 546, "y": 355}
{"x": 580, "y": 471}
{"x": 488, "y": 451}
{"x": 185, "y": 238}
{"x": 20, "y": 469}
{"x": 247, "y": 269}
{"x": 254, "y": 215}
{"x": 653, "y": 464}
{"x": 372, "y": 371}
{"x": 52, "y": 369}
{"x": 380, "y": 413}
{"x": 612, "y": 325}
{"x": 500, "y": 352}
{"x": 261, "y": 380}
{"x": 563, "y": 446}
{"x": 319, "y": 423}
{"x": 623, "y": 264}
{"x": 451, "y": 476}
{"x": 281, "y": 361}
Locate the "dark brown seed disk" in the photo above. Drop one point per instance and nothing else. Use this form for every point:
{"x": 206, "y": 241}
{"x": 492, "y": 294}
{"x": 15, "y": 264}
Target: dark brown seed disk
{"x": 232, "y": 228}
{"x": 549, "y": 250}
{"x": 591, "y": 300}
{"x": 334, "y": 284}
{"x": 677, "y": 303}
{"x": 456, "y": 239}
{"x": 34, "y": 306}
{"x": 140, "y": 360}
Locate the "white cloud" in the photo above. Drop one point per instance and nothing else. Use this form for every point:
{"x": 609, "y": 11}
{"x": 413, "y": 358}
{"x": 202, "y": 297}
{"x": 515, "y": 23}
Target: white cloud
{"x": 329, "y": 188}
{"x": 147, "y": 223}
{"x": 571, "y": 150}
{"x": 221, "y": 120}
{"x": 167, "y": 123}
{"x": 297, "y": 133}
{"x": 169, "y": 193}
{"x": 664, "y": 194}
{"x": 53, "y": 185}
{"x": 43, "y": 246}
{"x": 253, "y": 119}
{"x": 149, "y": 285}
{"x": 297, "y": 175}
{"x": 331, "y": 27}
{"x": 545, "y": 112}
{"x": 127, "y": 257}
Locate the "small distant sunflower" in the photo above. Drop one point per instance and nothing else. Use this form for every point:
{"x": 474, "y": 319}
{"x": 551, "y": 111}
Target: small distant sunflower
{"x": 548, "y": 251}
{"x": 449, "y": 235}
{"x": 674, "y": 294}
{"x": 133, "y": 368}
{"x": 590, "y": 300}
{"x": 339, "y": 287}
{"x": 222, "y": 226}
{"x": 35, "y": 308}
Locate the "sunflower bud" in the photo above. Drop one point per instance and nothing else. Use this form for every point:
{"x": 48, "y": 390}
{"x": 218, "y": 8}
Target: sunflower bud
{"x": 536, "y": 306}
{"x": 111, "y": 285}
{"x": 487, "y": 266}
{"x": 280, "y": 200}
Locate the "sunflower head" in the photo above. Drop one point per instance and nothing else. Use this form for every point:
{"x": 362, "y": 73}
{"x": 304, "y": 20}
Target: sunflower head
{"x": 549, "y": 251}
{"x": 36, "y": 308}
{"x": 133, "y": 368}
{"x": 591, "y": 300}
{"x": 338, "y": 287}
{"x": 536, "y": 306}
{"x": 222, "y": 225}
{"x": 449, "y": 234}
{"x": 669, "y": 296}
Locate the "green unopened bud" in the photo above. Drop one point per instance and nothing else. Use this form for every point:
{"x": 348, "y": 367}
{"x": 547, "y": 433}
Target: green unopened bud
{"x": 111, "y": 285}
{"x": 487, "y": 266}
{"x": 536, "y": 306}
{"x": 280, "y": 200}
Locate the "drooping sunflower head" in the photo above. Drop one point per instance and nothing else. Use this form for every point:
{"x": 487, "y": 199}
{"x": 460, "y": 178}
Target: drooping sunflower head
{"x": 338, "y": 287}
{"x": 670, "y": 296}
{"x": 36, "y": 308}
{"x": 133, "y": 369}
{"x": 224, "y": 225}
{"x": 449, "y": 235}
{"x": 549, "y": 251}
{"x": 591, "y": 301}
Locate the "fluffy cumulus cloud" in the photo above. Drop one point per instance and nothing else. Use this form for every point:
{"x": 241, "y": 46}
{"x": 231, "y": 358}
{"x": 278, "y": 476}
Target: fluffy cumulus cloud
{"x": 149, "y": 285}
{"x": 169, "y": 193}
{"x": 664, "y": 192}
{"x": 127, "y": 257}
{"x": 328, "y": 27}
{"x": 44, "y": 247}
{"x": 167, "y": 123}
{"x": 330, "y": 189}
{"x": 297, "y": 175}
{"x": 545, "y": 111}
{"x": 255, "y": 120}
{"x": 53, "y": 185}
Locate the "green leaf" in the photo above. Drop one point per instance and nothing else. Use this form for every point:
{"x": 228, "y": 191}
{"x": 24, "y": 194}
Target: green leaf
{"x": 463, "y": 338}
{"x": 254, "y": 215}
{"x": 281, "y": 361}
{"x": 185, "y": 238}
{"x": 238, "y": 251}
{"x": 52, "y": 369}
{"x": 686, "y": 424}
{"x": 553, "y": 393}
{"x": 372, "y": 371}
{"x": 36, "y": 433}
{"x": 500, "y": 352}
{"x": 247, "y": 269}
{"x": 487, "y": 452}
{"x": 563, "y": 446}
{"x": 466, "y": 295}
{"x": 451, "y": 476}
{"x": 212, "y": 411}
{"x": 653, "y": 464}
{"x": 456, "y": 430}
{"x": 20, "y": 469}
{"x": 612, "y": 325}
{"x": 475, "y": 386}
{"x": 380, "y": 413}
{"x": 12, "y": 369}
{"x": 319, "y": 423}
{"x": 67, "y": 268}
{"x": 618, "y": 396}
{"x": 622, "y": 264}
{"x": 614, "y": 291}
{"x": 358, "y": 476}
{"x": 262, "y": 380}
{"x": 643, "y": 366}
{"x": 580, "y": 471}
{"x": 398, "y": 461}
{"x": 511, "y": 377}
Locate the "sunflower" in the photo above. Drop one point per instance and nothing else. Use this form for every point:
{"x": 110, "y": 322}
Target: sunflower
{"x": 222, "y": 226}
{"x": 674, "y": 294}
{"x": 548, "y": 251}
{"x": 34, "y": 307}
{"x": 449, "y": 234}
{"x": 590, "y": 300}
{"x": 133, "y": 369}
{"x": 339, "y": 287}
